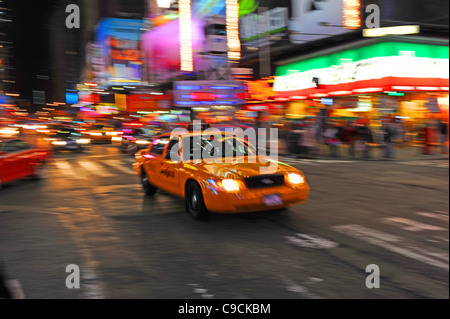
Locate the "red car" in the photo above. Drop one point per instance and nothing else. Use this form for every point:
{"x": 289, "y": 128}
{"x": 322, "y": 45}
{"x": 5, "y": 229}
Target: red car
{"x": 18, "y": 160}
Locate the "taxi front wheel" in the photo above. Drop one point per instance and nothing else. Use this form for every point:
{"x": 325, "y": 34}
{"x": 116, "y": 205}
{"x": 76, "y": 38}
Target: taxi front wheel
{"x": 149, "y": 189}
{"x": 195, "y": 204}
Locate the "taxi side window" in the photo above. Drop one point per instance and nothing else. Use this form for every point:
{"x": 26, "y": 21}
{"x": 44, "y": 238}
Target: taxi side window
{"x": 158, "y": 146}
{"x": 195, "y": 147}
{"x": 172, "y": 143}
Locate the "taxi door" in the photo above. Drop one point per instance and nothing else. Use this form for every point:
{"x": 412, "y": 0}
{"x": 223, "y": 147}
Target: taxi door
{"x": 155, "y": 159}
{"x": 170, "y": 169}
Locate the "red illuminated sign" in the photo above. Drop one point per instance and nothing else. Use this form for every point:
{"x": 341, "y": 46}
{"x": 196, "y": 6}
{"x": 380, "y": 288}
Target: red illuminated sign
{"x": 203, "y": 96}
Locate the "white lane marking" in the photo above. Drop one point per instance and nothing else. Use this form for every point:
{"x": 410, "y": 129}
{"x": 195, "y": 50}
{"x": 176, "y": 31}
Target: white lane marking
{"x": 293, "y": 161}
{"x": 314, "y": 162}
{"x": 119, "y": 166}
{"x": 95, "y": 169}
{"x": 389, "y": 242}
{"x": 304, "y": 291}
{"x": 439, "y": 216}
{"x": 66, "y": 169}
{"x": 442, "y": 256}
{"x": 90, "y": 281}
{"x": 411, "y": 225}
{"x": 440, "y": 164}
{"x": 334, "y": 161}
{"x": 311, "y": 241}
{"x": 198, "y": 289}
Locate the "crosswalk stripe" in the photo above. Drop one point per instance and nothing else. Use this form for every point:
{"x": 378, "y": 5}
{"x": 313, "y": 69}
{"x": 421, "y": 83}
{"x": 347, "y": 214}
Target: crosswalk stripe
{"x": 124, "y": 168}
{"x": 94, "y": 169}
{"x": 434, "y": 215}
{"x": 66, "y": 169}
{"x": 393, "y": 244}
{"x": 411, "y": 225}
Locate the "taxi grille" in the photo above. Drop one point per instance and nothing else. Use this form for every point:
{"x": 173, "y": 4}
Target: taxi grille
{"x": 262, "y": 181}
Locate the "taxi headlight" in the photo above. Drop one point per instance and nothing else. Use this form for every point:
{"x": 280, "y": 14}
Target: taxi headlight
{"x": 230, "y": 185}
{"x": 95, "y": 134}
{"x": 8, "y": 131}
{"x": 142, "y": 142}
{"x": 83, "y": 141}
{"x": 295, "y": 179}
{"x": 59, "y": 143}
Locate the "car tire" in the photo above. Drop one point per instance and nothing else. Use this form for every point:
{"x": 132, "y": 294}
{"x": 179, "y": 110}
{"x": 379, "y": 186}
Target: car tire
{"x": 38, "y": 173}
{"x": 148, "y": 188}
{"x": 195, "y": 204}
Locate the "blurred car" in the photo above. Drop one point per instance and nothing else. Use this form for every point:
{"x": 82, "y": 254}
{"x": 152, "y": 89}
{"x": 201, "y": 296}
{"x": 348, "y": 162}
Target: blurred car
{"x": 226, "y": 186}
{"x": 18, "y": 160}
{"x": 68, "y": 139}
{"x": 100, "y": 133}
{"x": 9, "y": 131}
{"x": 135, "y": 139}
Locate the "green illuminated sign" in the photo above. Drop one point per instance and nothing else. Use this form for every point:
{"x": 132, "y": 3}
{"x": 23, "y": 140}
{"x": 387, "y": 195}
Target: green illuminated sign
{"x": 247, "y": 7}
{"x": 385, "y": 49}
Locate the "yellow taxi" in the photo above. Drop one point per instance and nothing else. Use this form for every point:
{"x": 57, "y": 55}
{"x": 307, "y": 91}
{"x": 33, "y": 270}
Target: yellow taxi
{"x": 100, "y": 133}
{"x": 216, "y": 179}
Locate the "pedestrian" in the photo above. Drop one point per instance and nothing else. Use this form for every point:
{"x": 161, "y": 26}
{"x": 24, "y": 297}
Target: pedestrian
{"x": 364, "y": 138}
{"x": 331, "y": 135}
{"x": 292, "y": 140}
{"x": 427, "y": 136}
{"x": 309, "y": 140}
{"x": 348, "y": 137}
{"x": 443, "y": 136}
{"x": 390, "y": 133}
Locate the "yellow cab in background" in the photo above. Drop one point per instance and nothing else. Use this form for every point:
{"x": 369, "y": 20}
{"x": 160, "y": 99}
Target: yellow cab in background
{"x": 101, "y": 133}
{"x": 222, "y": 182}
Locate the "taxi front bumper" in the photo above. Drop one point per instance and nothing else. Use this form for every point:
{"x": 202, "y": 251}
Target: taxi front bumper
{"x": 254, "y": 200}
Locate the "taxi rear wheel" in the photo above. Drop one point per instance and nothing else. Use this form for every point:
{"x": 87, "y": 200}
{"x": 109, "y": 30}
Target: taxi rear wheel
{"x": 148, "y": 188}
{"x": 195, "y": 204}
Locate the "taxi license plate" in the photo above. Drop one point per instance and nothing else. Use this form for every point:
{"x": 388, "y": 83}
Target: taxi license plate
{"x": 72, "y": 147}
{"x": 273, "y": 200}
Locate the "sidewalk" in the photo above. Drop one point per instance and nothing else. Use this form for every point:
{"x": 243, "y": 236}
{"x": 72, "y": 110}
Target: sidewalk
{"x": 401, "y": 153}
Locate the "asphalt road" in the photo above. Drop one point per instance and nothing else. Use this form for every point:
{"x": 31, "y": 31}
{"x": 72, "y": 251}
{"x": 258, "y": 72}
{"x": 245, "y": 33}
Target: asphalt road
{"x": 90, "y": 211}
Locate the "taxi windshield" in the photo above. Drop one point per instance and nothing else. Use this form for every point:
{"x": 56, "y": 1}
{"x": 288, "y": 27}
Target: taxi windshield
{"x": 218, "y": 146}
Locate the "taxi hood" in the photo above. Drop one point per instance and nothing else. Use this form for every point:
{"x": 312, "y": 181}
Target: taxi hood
{"x": 247, "y": 168}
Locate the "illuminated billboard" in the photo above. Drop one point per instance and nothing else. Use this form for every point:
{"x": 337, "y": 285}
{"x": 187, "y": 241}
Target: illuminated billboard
{"x": 370, "y": 69}
{"x": 294, "y": 21}
{"x": 120, "y": 41}
{"x": 162, "y": 49}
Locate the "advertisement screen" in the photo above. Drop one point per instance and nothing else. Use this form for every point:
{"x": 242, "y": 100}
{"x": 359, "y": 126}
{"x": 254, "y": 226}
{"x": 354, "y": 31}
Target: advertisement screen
{"x": 120, "y": 40}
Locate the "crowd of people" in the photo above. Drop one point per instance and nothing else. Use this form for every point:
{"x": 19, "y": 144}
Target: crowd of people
{"x": 308, "y": 138}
